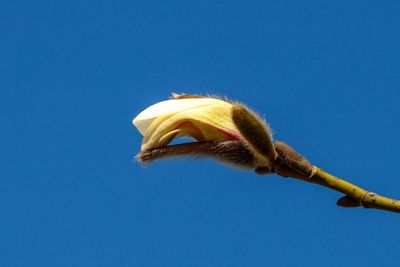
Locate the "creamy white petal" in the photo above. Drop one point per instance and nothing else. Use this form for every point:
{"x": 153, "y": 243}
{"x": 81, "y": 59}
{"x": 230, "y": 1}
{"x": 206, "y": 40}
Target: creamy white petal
{"x": 143, "y": 121}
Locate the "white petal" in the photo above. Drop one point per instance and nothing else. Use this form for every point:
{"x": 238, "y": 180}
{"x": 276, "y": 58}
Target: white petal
{"x": 147, "y": 116}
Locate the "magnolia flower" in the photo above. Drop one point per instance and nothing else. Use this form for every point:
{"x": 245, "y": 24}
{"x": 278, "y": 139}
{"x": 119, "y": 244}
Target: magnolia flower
{"x": 221, "y": 129}
{"x": 232, "y": 133}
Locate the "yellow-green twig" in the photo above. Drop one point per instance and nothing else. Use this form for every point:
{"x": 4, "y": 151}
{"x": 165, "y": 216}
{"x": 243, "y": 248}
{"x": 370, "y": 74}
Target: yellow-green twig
{"x": 355, "y": 194}
{"x": 289, "y": 163}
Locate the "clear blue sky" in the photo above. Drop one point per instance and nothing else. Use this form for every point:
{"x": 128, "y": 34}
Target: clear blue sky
{"x": 73, "y": 74}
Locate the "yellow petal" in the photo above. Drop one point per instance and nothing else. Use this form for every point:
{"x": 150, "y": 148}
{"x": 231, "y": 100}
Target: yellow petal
{"x": 205, "y": 119}
{"x": 147, "y": 116}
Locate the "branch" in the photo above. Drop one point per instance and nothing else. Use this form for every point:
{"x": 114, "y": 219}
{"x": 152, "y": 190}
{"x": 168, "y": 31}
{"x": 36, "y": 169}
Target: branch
{"x": 355, "y": 196}
{"x": 291, "y": 164}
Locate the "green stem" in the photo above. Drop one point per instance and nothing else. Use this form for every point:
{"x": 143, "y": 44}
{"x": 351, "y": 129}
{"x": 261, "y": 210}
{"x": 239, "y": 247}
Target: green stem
{"x": 289, "y": 163}
{"x": 363, "y": 197}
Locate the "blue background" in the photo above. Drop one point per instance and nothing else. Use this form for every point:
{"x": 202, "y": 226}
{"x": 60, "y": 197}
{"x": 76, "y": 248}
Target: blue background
{"x": 73, "y": 74}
